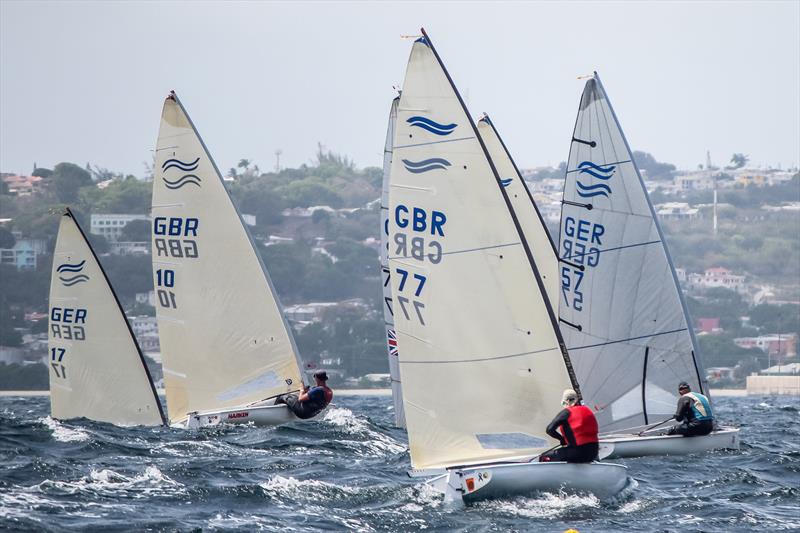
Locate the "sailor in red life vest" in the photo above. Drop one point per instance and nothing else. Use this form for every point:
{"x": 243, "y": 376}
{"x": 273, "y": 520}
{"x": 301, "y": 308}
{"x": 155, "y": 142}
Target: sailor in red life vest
{"x": 311, "y": 400}
{"x": 578, "y": 435}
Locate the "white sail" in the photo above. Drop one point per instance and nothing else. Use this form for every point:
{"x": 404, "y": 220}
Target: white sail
{"x": 224, "y": 341}
{"x": 479, "y": 351}
{"x": 530, "y": 220}
{"x": 622, "y": 310}
{"x": 388, "y": 318}
{"x": 96, "y": 368}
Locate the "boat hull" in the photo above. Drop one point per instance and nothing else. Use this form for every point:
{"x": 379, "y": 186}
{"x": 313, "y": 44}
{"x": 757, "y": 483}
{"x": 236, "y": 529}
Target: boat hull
{"x": 604, "y": 480}
{"x": 614, "y": 447}
{"x": 265, "y": 415}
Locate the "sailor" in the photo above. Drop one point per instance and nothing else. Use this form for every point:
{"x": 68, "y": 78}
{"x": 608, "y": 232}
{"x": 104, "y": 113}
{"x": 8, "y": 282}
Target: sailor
{"x": 694, "y": 410}
{"x": 311, "y": 400}
{"x": 578, "y": 437}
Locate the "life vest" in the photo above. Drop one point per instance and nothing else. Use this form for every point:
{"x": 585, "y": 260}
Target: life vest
{"x": 701, "y": 407}
{"x": 583, "y": 424}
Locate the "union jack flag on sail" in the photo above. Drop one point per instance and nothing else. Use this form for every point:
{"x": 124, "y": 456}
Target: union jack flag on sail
{"x": 391, "y": 338}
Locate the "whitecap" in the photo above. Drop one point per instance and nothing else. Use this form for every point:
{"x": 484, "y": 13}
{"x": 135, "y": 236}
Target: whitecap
{"x": 374, "y": 443}
{"x": 107, "y": 482}
{"x": 62, "y": 433}
{"x": 547, "y": 505}
{"x": 294, "y": 490}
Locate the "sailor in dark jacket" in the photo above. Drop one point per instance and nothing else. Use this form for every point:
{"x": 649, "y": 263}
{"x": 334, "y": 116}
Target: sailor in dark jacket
{"x": 311, "y": 400}
{"x": 694, "y": 410}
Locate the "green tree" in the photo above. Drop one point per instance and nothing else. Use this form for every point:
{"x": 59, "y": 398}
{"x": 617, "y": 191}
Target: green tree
{"x": 42, "y": 172}
{"x": 738, "y": 161}
{"x": 655, "y": 170}
{"x": 136, "y": 231}
{"x": 67, "y": 179}
{"x": 7, "y": 239}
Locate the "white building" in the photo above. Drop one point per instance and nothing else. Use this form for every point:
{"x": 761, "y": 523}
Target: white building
{"x": 129, "y": 248}
{"x": 695, "y": 181}
{"x": 110, "y": 226}
{"x": 718, "y": 277}
{"x": 143, "y": 325}
{"x": 676, "y": 211}
{"x": 148, "y": 297}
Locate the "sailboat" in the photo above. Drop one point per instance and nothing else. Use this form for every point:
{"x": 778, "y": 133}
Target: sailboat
{"x": 388, "y": 311}
{"x": 481, "y": 357}
{"x": 622, "y": 312}
{"x": 227, "y": 351}
{"x": 97, "y": 370}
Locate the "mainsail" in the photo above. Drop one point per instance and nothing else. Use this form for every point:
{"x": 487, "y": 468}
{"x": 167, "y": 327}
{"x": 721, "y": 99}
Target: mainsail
{"x": 622, "y": 311}
{"x": 481, "y": 359}
{"x": 388, "y": 318}
{"x": 96, "y": 368}
{"x": 224, "y": 341}
{"x": 530, "y": 220}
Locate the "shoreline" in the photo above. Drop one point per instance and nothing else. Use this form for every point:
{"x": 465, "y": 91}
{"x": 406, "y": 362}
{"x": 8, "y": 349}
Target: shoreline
{"x": 366, "y": 392}
{"x": 336, "y": 392}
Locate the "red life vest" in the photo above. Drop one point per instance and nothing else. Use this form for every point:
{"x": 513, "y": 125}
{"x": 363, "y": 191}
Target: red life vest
{"x": 583, "y": 424}
{"x": 328, "y": 394}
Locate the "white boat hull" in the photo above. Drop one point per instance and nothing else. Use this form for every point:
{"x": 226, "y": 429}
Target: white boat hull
{"x": 604, "y": 480}
{"x": 265, "y": 415}
{"x": 614, "y": 447}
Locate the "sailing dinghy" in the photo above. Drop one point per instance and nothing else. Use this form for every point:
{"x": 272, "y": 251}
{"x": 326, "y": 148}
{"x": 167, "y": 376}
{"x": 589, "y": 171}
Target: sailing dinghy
{"x": 480, "y": 354}
{"x": 388, "y": 311}
{"x": 97, "y": 370}
{"x": 227, "y": 350}
{"x": 622, "y": 312}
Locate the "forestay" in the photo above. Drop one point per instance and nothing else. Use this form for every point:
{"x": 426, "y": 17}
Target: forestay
{"x": 224, "y": 341}
{"x": 96, "y": 368}
{"x": 479, "y": 354}
{"x": 621, "y": 308}
{"x": 528, "y": 215}
{"x": 388, "y": 318}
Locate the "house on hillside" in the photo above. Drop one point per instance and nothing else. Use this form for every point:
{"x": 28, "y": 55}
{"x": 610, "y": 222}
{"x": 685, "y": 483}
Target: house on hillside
{"x": 24, "y": 254}
{"x": 110, "y": 226}
{"x": 718, "y": 277}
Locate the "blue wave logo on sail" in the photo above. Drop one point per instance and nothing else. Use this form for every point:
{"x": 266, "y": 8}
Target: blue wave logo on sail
{"x": 506, "y": 182}
{"x": 66, "y": 271}
{"x": 426, "y": 165}
{"x": 602, "y": 173}
{"x": 182, "y": 165}
{"x": 184, "y": 180}
{"x": 431, "y": 125}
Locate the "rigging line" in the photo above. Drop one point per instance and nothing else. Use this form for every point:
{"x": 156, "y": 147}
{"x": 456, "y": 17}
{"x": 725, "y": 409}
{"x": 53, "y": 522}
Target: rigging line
{"x": 601, "y": 164}
{"x": 584, "y": 254}
{"x": 644, "y": 383}
{"x": 628, "y": 339}
{"x": 398, "y": 257}
{"x": 433, "y": 142}
{"x": 482, "y": 359}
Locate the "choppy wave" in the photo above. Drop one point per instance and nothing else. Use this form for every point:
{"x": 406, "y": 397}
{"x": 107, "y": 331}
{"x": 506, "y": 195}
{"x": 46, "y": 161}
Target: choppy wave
{"x": 347, "y": 470}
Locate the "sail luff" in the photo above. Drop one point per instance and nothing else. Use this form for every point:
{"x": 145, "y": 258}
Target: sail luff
{"x": 103, "y": 398}
{"x": 696, "y": 356}
{"x": 536, "y": 234}
{"x": 388, "y": 318}
{"x": 551, "y": 311}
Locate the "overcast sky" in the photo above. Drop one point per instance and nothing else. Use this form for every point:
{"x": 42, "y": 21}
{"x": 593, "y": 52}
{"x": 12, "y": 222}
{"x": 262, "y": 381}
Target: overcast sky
{"x": 85, "y": 81}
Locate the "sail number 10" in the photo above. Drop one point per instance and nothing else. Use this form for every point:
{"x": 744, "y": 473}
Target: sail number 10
{"x": 166, "y": 278}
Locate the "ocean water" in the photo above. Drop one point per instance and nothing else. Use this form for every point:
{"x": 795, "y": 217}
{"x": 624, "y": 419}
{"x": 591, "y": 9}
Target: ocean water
{"x": 347, "y": 471}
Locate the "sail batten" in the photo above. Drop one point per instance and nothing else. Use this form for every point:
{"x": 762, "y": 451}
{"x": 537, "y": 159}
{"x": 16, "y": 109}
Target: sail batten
{"x": 96, "y": 367}
{"x": 624, "y": 296}
{"x": 458, "y": 315}
{"x": 223, "y": 336}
